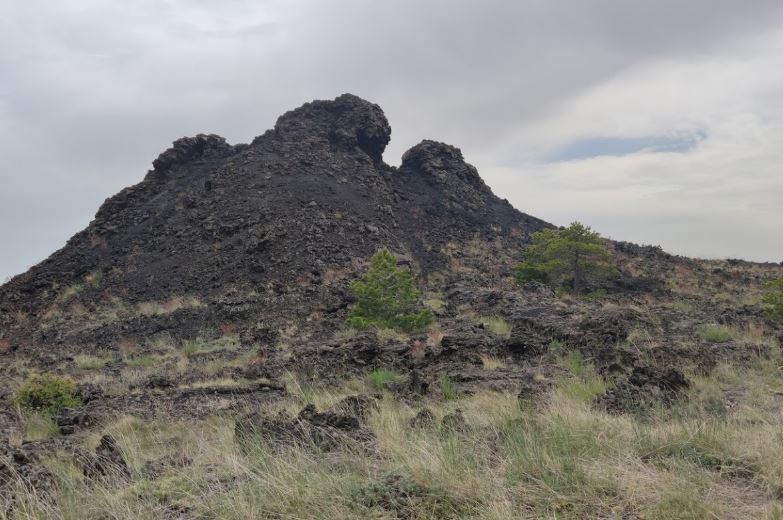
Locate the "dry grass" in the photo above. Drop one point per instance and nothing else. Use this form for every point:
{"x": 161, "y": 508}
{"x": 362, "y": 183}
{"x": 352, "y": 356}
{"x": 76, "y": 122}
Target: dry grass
{"x": 89, "y": 362}
{"x": 496, "y": 325}
{"x": 392, "y": 336}
{"x": 434, "y": 302}
{"x": 69, "y": 292}
{"x": 564, "y": 459}
{"x": 173, "y": 304}
{"x": 492, "y": 363}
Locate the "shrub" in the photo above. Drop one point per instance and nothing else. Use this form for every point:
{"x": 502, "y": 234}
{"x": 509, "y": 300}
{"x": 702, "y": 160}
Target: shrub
{"x": 47, "y": 393}
{"x": 714, "y": 333}
{"x": 773, "y": 300}
{"x": 387, "y": 297}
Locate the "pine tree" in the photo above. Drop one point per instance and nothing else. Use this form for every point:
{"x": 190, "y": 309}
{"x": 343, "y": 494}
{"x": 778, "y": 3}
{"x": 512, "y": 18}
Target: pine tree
{"x": 387, "y": 297}
{"x": 575, "y": 253}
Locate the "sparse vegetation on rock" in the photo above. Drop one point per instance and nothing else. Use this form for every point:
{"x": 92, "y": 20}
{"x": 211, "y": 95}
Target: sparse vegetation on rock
{"x": 384, "y": 379}
{"x": 713, "y": 333}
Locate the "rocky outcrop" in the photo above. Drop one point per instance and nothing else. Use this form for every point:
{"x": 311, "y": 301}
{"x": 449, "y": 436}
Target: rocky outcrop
{"x": 187, "y": 149}
{"x": 444, "y": 166}
{"x": 323, "y": 430}
{"x": 348, "y": 123}
{"x": 645, "y": 386}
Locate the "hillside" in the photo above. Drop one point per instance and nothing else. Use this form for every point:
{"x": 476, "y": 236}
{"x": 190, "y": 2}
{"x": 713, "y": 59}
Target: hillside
{"x": 202, "y": 314}
{"x": 232, "y": 233}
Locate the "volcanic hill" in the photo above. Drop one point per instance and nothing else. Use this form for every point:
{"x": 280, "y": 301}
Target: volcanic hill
{"x": 258, "y": 230}
{"x": 201, "y": 320}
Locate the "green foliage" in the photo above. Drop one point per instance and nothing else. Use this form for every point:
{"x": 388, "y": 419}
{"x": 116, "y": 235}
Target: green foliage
{"x": 575, "y": 253}
{"x": 527, "y": 272}
{"x": 773, "y": 300}
{"x": 595, "y": 296}
{"x": 384, "y": 379}
{"x": 448, "y": 387}
{"x": 387, "y": 297}
{"x": 714, "y": 333}
{"x": 47, "y": 393}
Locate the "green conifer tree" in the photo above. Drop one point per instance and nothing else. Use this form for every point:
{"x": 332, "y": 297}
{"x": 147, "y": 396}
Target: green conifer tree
{"x": 575, "y": 253}
{"x": 387, "y": 297}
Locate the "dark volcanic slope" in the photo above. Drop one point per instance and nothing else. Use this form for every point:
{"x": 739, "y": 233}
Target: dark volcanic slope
{"x": 302, "y": 200}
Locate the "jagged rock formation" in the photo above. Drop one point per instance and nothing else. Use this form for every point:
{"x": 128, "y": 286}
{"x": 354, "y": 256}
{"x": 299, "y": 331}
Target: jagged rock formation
{"x": 259, "y": 230}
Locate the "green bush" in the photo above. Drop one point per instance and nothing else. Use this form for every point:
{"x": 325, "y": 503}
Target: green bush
{"x": 387, "y": 297}
{"x": 47, "y": 393}
{"x": 773, "y": 300}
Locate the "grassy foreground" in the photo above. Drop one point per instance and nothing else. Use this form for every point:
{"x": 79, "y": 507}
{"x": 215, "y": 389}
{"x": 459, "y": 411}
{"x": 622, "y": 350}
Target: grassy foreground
{"x": 715, "y": 454}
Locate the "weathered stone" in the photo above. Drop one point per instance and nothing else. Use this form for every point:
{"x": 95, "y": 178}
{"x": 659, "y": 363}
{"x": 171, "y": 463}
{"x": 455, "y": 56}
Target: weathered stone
{"x": 424, "y": 418}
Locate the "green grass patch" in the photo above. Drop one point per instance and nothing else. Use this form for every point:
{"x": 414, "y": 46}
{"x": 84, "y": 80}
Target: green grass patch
{"x": 681, "y": 502}
{"x": 384, "y": 379}
{"x": 714, "y": 333}
{"x": 575, "y": 362}
{"x": 448, "y": 387}
{"x": 89, "y": 362}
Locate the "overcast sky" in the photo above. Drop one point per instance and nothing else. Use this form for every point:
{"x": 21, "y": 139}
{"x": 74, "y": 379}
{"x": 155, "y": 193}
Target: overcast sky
{"x": 656, "y": 122}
